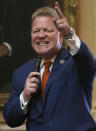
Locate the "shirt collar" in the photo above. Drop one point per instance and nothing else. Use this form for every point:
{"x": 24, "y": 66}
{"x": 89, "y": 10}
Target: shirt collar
{"x": 43, "y": 60}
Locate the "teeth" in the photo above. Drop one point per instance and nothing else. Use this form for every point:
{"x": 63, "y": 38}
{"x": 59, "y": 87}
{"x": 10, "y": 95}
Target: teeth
{"x": 41, "y": 43}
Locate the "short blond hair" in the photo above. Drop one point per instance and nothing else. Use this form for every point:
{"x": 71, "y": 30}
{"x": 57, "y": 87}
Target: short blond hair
{"x": 45, "y": 11}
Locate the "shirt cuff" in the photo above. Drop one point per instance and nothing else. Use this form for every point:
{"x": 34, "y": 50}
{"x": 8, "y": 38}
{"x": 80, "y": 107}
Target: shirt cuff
{"x": 9, "y": 48}
{"x": 74, "y": 44}
{"x": 23, "y": 103}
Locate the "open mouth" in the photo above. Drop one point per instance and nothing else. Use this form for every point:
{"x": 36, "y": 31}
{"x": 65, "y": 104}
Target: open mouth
{"x": 42, "y": 42}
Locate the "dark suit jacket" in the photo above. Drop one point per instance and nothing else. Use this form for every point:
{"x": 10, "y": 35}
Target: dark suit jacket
{"x": 15, "y": 28}
{"x": 68, "y": 95}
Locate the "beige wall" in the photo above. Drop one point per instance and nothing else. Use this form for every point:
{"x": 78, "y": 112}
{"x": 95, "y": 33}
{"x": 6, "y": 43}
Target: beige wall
{"x": 87, "y": 32}
{"x": 87, "y": 20}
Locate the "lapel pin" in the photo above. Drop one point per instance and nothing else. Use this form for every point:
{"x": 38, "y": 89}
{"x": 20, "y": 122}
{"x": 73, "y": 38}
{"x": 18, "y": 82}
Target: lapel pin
{"x": 61, "y": 61}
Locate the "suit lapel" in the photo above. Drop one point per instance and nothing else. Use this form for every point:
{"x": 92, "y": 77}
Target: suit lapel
{"x": 59, "y": 61}
{"x": 37, "y": 100}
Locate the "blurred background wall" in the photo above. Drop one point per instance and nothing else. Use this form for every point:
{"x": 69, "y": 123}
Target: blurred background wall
{"x": 87, "y": 32}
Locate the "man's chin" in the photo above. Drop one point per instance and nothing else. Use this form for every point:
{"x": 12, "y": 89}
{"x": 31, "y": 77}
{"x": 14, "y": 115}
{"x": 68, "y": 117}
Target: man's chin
{"x": 42, "y": 55}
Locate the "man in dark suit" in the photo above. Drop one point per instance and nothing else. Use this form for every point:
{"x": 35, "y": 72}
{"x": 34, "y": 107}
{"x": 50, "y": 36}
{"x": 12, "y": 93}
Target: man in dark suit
{"x": 15, "y": 25}
{"x": 65, "y": 103}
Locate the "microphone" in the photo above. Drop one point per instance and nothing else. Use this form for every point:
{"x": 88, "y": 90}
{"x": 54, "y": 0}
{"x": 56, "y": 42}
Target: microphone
{"x": 37, "y": 64}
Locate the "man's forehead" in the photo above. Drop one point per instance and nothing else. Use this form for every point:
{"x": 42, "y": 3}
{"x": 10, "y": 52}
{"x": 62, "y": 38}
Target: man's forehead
{"x": 46, "y": 20}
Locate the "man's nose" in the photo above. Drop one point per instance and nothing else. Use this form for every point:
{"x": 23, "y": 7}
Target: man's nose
{"x": 41, "y": 34}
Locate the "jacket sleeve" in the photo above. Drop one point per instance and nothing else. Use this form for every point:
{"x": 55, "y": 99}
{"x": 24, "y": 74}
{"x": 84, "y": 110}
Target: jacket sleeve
{"x": 13, "y": 114}
{"x": 85, "y": 64}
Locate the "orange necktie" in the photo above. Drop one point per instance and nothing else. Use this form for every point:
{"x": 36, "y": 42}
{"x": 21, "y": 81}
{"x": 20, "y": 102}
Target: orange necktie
{"x": 45, "y": 76}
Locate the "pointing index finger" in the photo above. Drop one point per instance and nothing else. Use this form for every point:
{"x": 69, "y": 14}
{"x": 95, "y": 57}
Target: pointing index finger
{"x": 58, "y": 10}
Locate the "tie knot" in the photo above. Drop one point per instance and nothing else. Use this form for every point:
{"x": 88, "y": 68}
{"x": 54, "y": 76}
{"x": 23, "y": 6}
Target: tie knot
{"x": 48, "y": 64}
